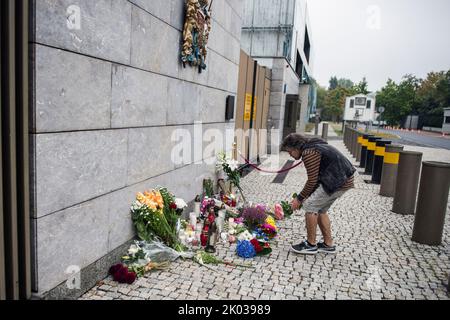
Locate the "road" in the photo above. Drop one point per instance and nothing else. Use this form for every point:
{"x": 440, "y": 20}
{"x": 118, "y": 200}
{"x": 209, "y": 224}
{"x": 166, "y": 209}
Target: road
{"x": 423, "y": 139}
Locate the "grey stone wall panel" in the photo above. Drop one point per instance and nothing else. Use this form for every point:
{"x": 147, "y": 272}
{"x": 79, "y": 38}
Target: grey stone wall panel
{"x": 104, "y": 31}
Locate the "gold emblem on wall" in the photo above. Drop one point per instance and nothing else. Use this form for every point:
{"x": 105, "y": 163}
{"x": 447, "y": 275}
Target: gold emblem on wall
{"x": 196, "y": 31}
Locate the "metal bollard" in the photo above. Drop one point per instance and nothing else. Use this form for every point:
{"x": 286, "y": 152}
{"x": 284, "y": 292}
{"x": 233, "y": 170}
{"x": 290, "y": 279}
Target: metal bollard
{"x": 390, "y": 168}
{"x": 377, "y": 168}
{"x": 325, "y": 131}
{"x": 432, "y": 203}
{"x": 345, "y": 135}
{"x": 364, "y": 144}
{"x": 407, "y": 182}
{"x": 359, "y": 146}
{"x": 316, "y": 126}
{"x": 371, "y": 146}
{"x": 354, "y": 142}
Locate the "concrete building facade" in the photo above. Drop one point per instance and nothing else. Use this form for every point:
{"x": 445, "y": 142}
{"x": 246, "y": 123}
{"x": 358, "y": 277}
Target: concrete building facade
{"x": 109, "y": 90}
{"x": 277, "y": 33}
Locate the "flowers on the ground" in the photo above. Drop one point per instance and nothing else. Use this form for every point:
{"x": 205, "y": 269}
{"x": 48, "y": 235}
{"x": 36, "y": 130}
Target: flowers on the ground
{"x": 269, "y": 230}
{"x": 271, "y": 221}
{"x": 139, "y": 261}
{"x": 246, "y": 235}
{"x": 155, "y": 218}
{"x": 278, "y": 212}
{"x": 180, "y": 203}
{"x": 254, "y": 216}
{"x": 121, "y": 274}
{"x": 245, "y": 249}
{"x": 256, "y": 245}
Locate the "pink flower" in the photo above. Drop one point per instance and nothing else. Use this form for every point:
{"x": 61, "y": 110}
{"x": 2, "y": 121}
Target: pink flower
{"x": 279, "y": 213}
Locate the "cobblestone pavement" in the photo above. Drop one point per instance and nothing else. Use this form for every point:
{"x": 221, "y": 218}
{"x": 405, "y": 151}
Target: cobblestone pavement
{"x": 376, "y": 257}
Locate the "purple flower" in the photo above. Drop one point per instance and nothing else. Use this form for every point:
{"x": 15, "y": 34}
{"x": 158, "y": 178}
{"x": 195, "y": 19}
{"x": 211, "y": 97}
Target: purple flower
{"x": 254, "y": 216}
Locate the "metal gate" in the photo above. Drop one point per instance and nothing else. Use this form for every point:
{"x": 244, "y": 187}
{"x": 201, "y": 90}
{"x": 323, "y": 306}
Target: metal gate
{"x": 15, "y": 258}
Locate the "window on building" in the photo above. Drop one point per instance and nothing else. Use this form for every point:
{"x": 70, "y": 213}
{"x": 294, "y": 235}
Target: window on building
{"x": 369, "y": 104}
{"x": 447, "y": 119}
{"x": 299, "y": 66}
{"x": 360, "y": 101}
{"x": 307, "y": 45}
{"x": 352, "y": 104}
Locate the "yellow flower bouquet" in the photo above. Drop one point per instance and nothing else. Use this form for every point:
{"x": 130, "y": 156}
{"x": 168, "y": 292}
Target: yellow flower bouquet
{"x": 155, "y": 217}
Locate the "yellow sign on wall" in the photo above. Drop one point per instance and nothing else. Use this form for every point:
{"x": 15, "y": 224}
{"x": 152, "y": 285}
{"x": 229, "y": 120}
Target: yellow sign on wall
{"x": 248, "y": 108}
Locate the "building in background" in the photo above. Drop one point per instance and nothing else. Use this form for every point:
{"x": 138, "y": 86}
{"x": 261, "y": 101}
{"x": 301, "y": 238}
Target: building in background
{"x": 277, "y": 34}
{"x": 360, "y": 108}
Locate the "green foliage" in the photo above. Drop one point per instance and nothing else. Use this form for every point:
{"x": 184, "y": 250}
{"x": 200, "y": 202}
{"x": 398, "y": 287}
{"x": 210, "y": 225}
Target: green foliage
{"x": 361, "y": 87}
{"x": 208, "y": 188}
{"x": 287, "y": 209}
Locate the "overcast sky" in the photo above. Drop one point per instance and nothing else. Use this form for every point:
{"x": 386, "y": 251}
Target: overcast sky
{"x": 379, "y": 39}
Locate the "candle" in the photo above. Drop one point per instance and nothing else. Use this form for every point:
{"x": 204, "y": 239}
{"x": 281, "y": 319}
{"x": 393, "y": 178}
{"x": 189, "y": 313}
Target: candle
{"x": 193, "y": 219}
{"x": 220, "y": 221}
{"x": 197, "y": 208}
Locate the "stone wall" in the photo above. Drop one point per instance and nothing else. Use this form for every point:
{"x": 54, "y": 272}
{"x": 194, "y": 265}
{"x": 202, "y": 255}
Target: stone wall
{"x": 107, "y": 97}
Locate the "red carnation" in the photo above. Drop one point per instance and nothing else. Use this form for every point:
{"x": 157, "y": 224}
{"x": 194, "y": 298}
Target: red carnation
{"x": 115, "y": 268}
{"x": 120, "y": 275}
{"x": 256, "y": 245}
{"x": 130, "y": 277}
{"x": 173, "y": 206}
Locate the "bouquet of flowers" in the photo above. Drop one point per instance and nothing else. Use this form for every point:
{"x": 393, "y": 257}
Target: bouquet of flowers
{"x": 154, "y": 213}
{"x": 230, "y": 167}
{"x": 139, "y": 261}
{"x": 254, "y": 216}
{"x": 287, "y": 209}
{"x": 250, "y": 248}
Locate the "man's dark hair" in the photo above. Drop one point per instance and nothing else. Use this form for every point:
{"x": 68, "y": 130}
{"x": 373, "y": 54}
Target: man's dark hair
{"x": 296, "y": 141}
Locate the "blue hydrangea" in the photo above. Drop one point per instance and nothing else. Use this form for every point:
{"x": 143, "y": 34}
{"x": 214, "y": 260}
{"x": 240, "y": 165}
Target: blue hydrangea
{"x": 245, "y": 249}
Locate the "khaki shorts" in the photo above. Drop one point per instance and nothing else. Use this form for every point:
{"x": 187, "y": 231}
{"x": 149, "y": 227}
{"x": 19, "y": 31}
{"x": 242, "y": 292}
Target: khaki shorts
{"x": 320, "y": 201}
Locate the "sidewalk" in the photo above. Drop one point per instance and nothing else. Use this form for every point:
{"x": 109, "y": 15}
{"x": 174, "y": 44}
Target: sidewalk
{"x": 331, "y": 132}
{"x": 376, "y": 258}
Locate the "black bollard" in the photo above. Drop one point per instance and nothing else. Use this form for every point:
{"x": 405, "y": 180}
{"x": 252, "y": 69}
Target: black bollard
{"x": 371, "y": 146}
{"x": 364, "y": 143}
{"x": 378, "y": 160}
{"x": 359, "y": 146}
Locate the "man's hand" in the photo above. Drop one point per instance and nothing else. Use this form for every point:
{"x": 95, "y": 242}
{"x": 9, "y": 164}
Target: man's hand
{"x": 295, "y": 204}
